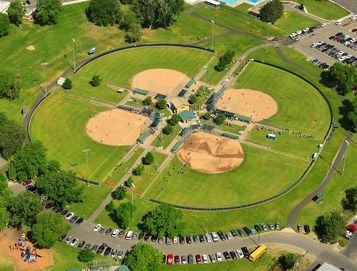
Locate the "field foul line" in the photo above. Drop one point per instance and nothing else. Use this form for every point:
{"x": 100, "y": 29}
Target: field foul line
{"x": 275, "y": 151}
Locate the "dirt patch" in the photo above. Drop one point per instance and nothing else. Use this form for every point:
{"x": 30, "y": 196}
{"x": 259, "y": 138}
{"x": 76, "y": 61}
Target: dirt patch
{"x": 9, "y": 238}
{"x": 211, "y": 154}
{"x": 31, "y": 48}
{"x": 252, "y": 103}
{"x": 164, "y": 81}
{"x": 116, "y": 127}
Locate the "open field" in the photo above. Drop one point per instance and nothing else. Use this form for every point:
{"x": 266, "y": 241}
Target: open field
{"x": 287, "y": 89}
{"x": 120, "y": 68}
{"x": 285, "y": 142}
{"x": 227, "y": 127}
{"x": 275, "y": 172}
{"x": 163, "y": 140}
{"x": 324, "y": 9}
{"x": 60, "y": 124}
{"x": 6, "y": 264}
{"x": 293, "y": 21}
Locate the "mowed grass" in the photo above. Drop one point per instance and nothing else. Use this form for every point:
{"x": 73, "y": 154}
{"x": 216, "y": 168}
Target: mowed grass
{"x": 163, "y": 140}
{"x": 6, "y": 264}
{"x": 244, "y": 184}
{"x": 286, "y": 142}
{"x": 59, "y": 123}
{"x": 293, "y": 21}
{"x": 301, "y": 108}
{"x": 120, "y": 68}
{"x": 324, "y": 9}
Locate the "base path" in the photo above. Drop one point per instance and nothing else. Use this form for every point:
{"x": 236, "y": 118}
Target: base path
{"x": 116, "y": 127}
{"x": 210, "y": 153}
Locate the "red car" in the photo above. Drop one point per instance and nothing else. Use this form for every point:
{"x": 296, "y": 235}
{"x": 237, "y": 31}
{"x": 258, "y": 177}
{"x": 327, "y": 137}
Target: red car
{"x": 198, "y": 258}
{"x": 177, "y": 259}
{"x": 170, "y": 259}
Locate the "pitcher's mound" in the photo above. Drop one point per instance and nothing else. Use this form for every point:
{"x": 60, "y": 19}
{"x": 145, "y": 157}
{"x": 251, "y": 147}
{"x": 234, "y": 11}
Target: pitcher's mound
{"x": 164, "y": 81}
{"x": 116, "y": 127}
{"x": 251, "y": 103}
{"x": 211, "y": 154}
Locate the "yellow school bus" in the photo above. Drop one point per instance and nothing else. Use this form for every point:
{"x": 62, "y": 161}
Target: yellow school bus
{"x": 259, "y": 251}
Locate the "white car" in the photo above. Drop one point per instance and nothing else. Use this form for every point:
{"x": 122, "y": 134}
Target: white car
{"x": 74, "y": 242}
{"x": 97, "y": 227}
{"x": 215, "y": 237}
{"x": 240, "y": 254}
{"x": 128, "y": 235}
{"x": 208, "y": 238}
{"x": 349, "y": 234}
{"x": 213, "y": 258}
{"x": 115, "y": 233}
{"x": 204, "y": 258}
{"x": 219, "y": 256}
{"x": 175, "y": 240}
{"x": 69, "y": 215}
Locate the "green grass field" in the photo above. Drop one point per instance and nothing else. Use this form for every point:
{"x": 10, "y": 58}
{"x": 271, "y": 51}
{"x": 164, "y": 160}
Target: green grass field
{"x": 274, "y": 173}
{"x": 324, "y": 9}
{"x": 6, "y": 264}
{"x": 286, "y": 142}
{"x": 119, "y": 68}
{"x": 59, "y": 123}
{"x": 163, "y": 140}
{"x": 292, "y": 21}
{"x": 311, "y": 118}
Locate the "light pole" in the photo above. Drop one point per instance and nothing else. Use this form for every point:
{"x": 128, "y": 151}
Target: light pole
{"x": 74, "y": 62}
{"x": 87, "y": 152}
{"x": 212, "y": 40}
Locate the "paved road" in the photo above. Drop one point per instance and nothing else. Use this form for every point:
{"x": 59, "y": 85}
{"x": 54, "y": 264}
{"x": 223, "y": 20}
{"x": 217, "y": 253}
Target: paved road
{"x": 350, "y": 5}
{"x": 323, "y": 252}
{"x": 333, "y": 168}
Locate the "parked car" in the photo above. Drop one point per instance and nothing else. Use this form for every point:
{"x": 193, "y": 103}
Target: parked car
{"x": 209, "y": 238}
{"x": 177, "y": 259}
{"x": 73, "y": 242}
{"x": 100, "y": 249}
{"x": 215, "y": 237}
{"x": 183, "y": 259}
{"x": 102, "y": 230}
{"x": 240, "y": 254}
{"x": 227, "y": 256}
{"x": 97, "y": 227}
{"x": 190, "y": 258}
{"x": 120, "y": 254}
{"x": 247, "y": 230}
{"x": 80, "y": 221}
{"x": 175, "y": 240}
{"x": 73, "y": 219}
{"x": 69, "y": 216}
{"x": 188, "y": 240}
{"x": 299, "y": 228}
{"x": 234, "y": 233}
{"x": 182, "y": 240}
{"x": 81, "y": 244}
{"x": 257, "y": 228}
{"x": 219, "y": 257}
{"x": 213, "y": 258}
{"x": 108, "y": 231}
{"x": 88, "y": 246}
{"x": 113, "y": 253}
{"x": 195, "y": 238}
{"x": 205, "y": 258}
{"x": 129, "y": 234}
{"x": 198, "y": 258}
{"x": 277, "y": 226}
{"x": 170, "y": 258}
{"x": 115, "y": 233}
{"x": 307, "y": 229}
{"x": 68, "y": 239}
{"x": 107, "y": 251}
{"x": 245, "y": 251}
{"x": 94, "y": 248}
{"x": 202, "y": 238}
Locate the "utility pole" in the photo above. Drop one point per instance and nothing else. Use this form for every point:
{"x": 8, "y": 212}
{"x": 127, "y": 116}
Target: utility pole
{"x": 212, "y": 40}
{"x": 87, "y": 152}
{"x": 74, "y": 61}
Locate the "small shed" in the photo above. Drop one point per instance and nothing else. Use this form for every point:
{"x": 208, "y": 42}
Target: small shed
{"x": 187, "y": 115}
{"x": 143, "y": 136}
{"x": 190, "y": 83}
{"x": 182, "y": 93}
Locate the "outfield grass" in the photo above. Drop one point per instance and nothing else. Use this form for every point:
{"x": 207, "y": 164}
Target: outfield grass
{"x": 286, "y": 142}
{"x": 163, "y": 140}
{"x": 59, "y": 124}
{"x": 243, "y": 8}
{"x": 227, "y": 127}
{"x": 119, "y": 68}
{"x": 301, "y": 108}
{"x": 274, "y": 173}
{"x": 324, "y": 9}
{"x": 134, "y": 102}
{"x": 293, "y": 21}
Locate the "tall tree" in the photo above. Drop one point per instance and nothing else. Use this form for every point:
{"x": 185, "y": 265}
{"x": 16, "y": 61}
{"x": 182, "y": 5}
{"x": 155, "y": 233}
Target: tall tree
{"x": 287, "y": 261}
{"x": 30, "y": 161}
{"x": 341, "y": 76}
{"x": 330, "y": 227}
{"x": 123, "y": 215}
{"x": 164, "y": 220}
{"x": 352, "y": 115}
{"x": 119, "y": 193}
{"x": 47, "y": 11}
{"x": 11, "y": 138}
{"x": 133, "y": 34}
{"x": 9, "y": 85}
{"x": 60, "y": 186}
{"x": 148, "y": 159}
{"x": 103, "y": 12}
{"x": 4, "y": 218}
{"x": 143, "y": 257}
{"x": 49, "y": 227}
{"x": 158, "y": 13}
{"x": 350, "y": 200}
{"x": 272, "y": 11}
{"x": 15, "y": 12}
{"x": 24, "y": 208}
{"x": 4, "y": 25}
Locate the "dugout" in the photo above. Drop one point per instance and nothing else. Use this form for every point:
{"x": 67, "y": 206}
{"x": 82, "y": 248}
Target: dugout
{"x": 190, "y": 83}
{"x": 141, "y": 91}
{"x": 186, "y": 116}
{"x": 177, "y": 145}
{"x": 160, "y": 96}
{"x": 143, "y": 136}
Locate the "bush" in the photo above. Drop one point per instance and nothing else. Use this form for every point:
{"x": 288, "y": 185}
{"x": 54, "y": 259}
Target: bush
{"x": 206, "y": 116}
{"x": 47, "y": 11}
{"x": 103, "y": 12}
{"x": 4, "y": 25}
{"x": 193, "y": 99}
{"x": 287, "y": 261}
{"x": 224, "y": 60}
{"x": 9, "y": 84}
{"x": 86, "y": 255}
{"x": 148, "y": 159}
{"x": 119, "y": 193}
{"x": 15, "y": 12}
{"x": 174, "y": 120}
{"x": 168, "y": 129}
{"x": 95, "y": 81}
{"x": 129, "y": 182}
{"x": 147, "y": 101}
{"x": 138, "y": 171}
{"x": 272, "y": 11}
{"x": 67, "y": 84}
{"x": 220, "y": 119}
{"x": 161, "y": 104}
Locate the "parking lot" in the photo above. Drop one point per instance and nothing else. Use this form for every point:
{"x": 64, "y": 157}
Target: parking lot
{"x": 304, "y": 42}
